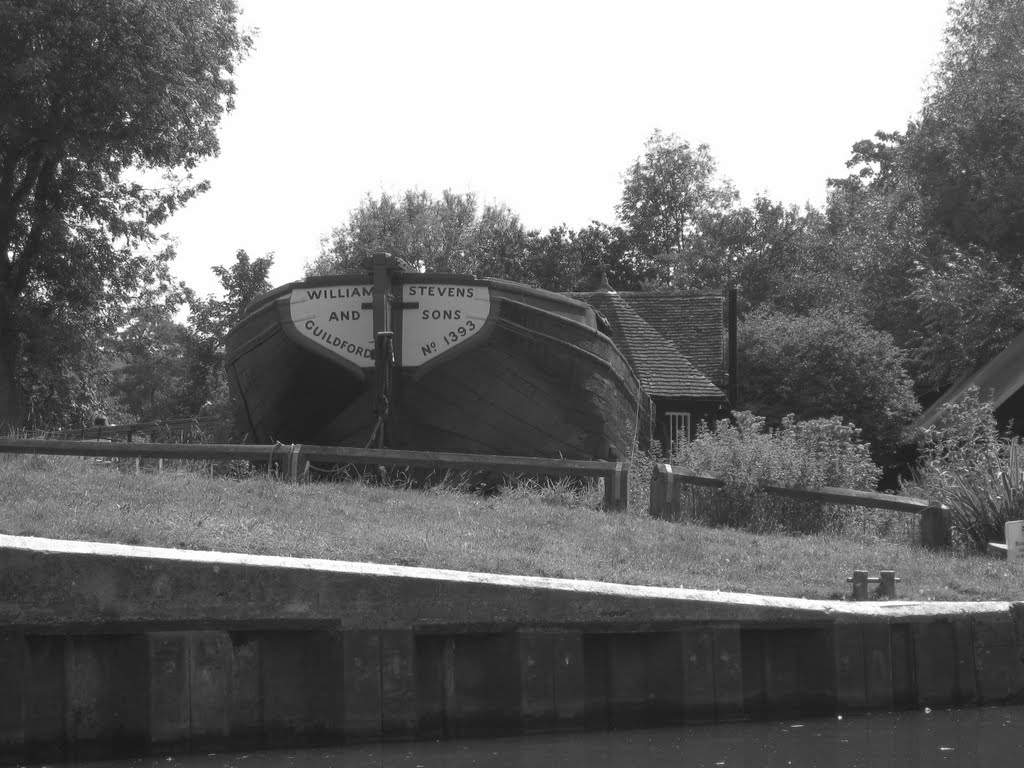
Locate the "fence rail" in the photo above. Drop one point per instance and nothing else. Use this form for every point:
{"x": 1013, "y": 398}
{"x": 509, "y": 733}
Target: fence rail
{"x": 935, "y": 521}
{"x": 293, "y": 459}
{"x": 110, "y": 432}
{"x": 666, "y": 480}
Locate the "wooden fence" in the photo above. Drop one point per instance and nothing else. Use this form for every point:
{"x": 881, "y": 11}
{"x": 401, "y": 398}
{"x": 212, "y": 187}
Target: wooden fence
{"x": 666, "y": 480}
{"x": 293, "y": 459}
{"x": 935, "y": 520}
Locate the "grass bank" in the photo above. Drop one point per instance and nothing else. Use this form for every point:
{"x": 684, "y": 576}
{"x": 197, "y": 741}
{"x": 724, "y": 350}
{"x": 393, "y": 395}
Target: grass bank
{"x": 553, "y": 533}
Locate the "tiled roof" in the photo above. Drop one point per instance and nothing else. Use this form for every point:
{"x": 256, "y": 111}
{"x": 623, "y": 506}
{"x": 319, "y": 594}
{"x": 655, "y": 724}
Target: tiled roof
{"x": 662, "y": 369}
{"x": 694, "y": 322}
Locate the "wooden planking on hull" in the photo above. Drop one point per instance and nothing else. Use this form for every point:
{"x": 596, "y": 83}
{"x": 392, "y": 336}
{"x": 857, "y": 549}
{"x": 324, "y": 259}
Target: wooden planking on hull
{"x": 531, "y": 400}
{"x": 453, "y": 408}
{"x": 612, "y": 401}
{"x": 521, "y": 398}
{"x": 353, "y": 426}
{"x": 505, "y": 419}
{"x": 566, "y": 331}
{"x": 284, "y": 391}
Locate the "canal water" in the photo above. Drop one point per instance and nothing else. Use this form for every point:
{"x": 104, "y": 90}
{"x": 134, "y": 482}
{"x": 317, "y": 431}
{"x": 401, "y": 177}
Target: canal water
{"x": 988, "y": 738}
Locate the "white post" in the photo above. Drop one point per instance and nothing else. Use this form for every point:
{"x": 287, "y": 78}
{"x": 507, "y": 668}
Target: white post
{"x": 1014, "y": 530}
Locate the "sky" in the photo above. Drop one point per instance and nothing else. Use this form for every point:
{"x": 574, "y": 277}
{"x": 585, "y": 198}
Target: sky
{"x": 541, "y": 106}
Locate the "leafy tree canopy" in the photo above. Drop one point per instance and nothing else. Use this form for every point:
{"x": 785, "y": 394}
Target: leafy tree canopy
{"x": 827, "y": 363}
{"x": 667, "y": 191}
{"x": 450, "y": 234}
{"x": 160, "y": 368}
{"x": 670, "y": 196}
{"x": 210, "y": 320}
{"x": 930, "y": 223}
{"x": 90, "y": 90}
{"x": 966, "y": 152}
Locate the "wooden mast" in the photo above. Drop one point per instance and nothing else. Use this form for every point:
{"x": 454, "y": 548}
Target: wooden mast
{"x": 384, "y": 266}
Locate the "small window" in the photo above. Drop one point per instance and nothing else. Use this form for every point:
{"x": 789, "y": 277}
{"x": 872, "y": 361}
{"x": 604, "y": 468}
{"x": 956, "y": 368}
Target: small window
{"x": 678, "y": 428}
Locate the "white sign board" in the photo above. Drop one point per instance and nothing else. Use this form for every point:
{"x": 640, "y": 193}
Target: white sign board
{"x": 334, "y": 318}
{"x": 1015, "y": 540}
{"x": 444, "y": 316}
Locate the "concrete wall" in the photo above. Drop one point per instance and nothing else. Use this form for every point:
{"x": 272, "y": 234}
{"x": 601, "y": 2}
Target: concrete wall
{"x": 113, "y": 650}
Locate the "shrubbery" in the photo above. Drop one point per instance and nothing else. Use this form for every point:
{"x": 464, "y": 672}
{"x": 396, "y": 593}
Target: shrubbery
{"x": 822, "y": 364}
{"x": 973, "y": 470}
{"x": 747, "y": 454}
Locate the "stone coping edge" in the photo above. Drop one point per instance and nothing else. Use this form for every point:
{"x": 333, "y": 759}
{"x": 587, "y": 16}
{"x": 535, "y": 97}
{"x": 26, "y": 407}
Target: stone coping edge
{"x": 834, "y": 610}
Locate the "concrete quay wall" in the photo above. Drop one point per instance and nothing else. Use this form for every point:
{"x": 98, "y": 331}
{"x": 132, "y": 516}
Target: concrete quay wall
{"x": 115, "y": 650}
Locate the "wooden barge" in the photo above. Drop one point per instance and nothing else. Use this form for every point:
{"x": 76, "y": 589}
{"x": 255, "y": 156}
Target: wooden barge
{"x": 440, "y": 362}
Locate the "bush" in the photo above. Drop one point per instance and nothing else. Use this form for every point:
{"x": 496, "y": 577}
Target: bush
{"x": 823, "y": 364}
{"x": 748, "y": 455}
{"x": 970, "y": 468}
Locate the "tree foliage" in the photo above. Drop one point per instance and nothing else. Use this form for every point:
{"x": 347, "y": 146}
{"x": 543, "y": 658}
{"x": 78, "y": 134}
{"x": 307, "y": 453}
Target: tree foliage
{"x": 441, "y": 235}
{"x": 454, "y": 234}
{"x": 931, "y": 222}
{"x": 91, "y": 90}
{"x": 145, "y": 353}
{"x": 827, "y": 363}
{"x": 670, "y": 192}
{"x": 966, "y": 152}
{"x": 210, "y": 319}
{"x": 161, "y": 368}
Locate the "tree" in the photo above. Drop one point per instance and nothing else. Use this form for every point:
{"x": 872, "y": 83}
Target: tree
{"x": 790, "y": 263}
{"x": 414, "y": 227}
{"x": 966, "y": 152}
{"x": 882, "y": 238}
{"x": 969, "y": 309}
{"x": 669, "y": 196}
{"x": 210, "y": 320}
{"x": 777, "y": 256}
{"x": 445, "y": 235}
{"x": 563, "y": 259}
{"x": 91, "y": 90}
{"x": 931, "y": 223}
{"x": 827, "y": 363}
{"x": 147, "y": 351}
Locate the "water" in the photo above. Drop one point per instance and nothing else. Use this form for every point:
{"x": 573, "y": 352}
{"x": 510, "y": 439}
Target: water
{"x": 988, "y": 738}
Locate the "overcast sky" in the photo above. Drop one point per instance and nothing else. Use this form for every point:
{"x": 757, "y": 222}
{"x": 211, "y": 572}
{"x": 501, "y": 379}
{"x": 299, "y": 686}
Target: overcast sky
{"x": 540, "y": 105}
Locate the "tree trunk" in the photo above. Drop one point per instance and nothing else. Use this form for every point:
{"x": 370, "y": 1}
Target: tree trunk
{"x": 11, "y": 415}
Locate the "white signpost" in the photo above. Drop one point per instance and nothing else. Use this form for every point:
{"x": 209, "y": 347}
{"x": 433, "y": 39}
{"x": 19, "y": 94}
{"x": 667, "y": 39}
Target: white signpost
{"x": 334, "y": 318}
{"x": 444, "y": 316}
{"x": 1015, "y": 540}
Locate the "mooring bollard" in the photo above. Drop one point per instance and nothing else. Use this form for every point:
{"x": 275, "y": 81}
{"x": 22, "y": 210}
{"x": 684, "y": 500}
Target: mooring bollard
{"x": 886, "y": 581}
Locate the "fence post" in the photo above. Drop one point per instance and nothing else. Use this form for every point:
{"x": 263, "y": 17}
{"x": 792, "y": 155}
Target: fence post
{"x": 294, "y": 456}
{"x": 616, "y": 487}
{"x": 937, "y": 527}
{"x": 664, "y": 503}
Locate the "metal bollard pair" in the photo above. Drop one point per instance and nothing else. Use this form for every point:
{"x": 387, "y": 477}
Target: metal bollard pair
{"x": 886, "y": 581}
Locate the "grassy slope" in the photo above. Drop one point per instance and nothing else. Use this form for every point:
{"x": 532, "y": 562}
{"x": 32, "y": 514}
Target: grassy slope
{"x": 517, "y": 533}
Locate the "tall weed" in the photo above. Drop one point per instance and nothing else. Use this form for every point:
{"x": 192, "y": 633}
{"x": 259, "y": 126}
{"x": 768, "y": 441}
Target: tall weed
{"x": 968, "y": 466}
{"x": 748, "y": 455}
